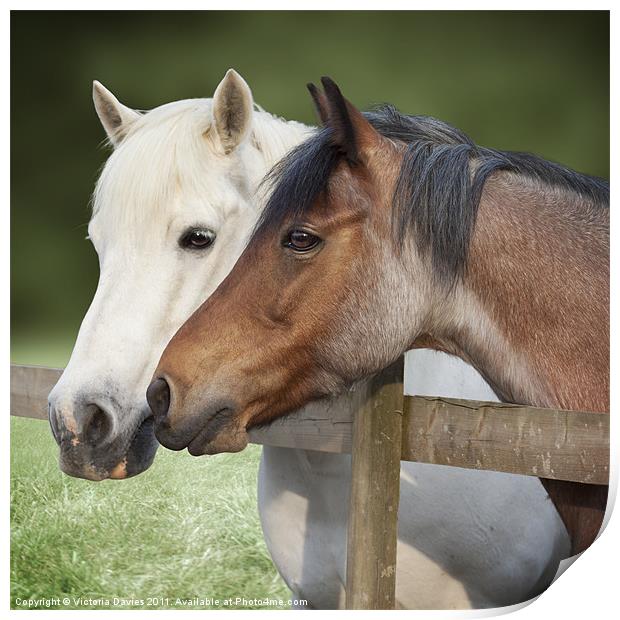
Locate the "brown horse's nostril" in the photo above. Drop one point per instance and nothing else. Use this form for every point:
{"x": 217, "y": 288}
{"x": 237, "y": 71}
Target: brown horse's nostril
{"x": 158, "y": 398}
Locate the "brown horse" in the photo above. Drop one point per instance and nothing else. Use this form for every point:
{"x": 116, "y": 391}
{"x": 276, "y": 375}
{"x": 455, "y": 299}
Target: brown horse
{"x": 384, "y": 232}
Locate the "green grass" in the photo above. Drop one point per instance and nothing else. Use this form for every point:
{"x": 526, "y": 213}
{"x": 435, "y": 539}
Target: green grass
{"x": 188, "y": 527}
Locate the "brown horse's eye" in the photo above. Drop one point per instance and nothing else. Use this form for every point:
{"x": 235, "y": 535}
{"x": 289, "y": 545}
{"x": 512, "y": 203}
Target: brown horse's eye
{"x": 301, "y": 241}
{"x": 197, "y": 239}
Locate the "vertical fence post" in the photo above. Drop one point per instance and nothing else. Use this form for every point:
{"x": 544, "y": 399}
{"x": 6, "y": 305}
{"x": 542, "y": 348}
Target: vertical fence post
{"x": 375, "y": 490}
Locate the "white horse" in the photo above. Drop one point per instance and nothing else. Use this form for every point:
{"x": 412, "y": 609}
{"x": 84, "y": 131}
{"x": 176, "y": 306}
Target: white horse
{"x": 173, "y": 208}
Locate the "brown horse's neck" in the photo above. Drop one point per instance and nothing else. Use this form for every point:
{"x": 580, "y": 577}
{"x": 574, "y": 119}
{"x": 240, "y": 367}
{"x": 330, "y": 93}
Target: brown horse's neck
{"x": 532, "y": 315}
{"x": 533, "y": 311}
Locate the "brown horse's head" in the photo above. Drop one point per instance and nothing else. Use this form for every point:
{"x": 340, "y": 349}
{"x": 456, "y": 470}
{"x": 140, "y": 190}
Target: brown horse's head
{"x": 379, "y": 229}
{"x": 311, "y": 305}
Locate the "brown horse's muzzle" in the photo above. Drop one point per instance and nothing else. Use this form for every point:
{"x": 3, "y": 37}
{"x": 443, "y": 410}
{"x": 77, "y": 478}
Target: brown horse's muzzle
{"x": 213, "y": 429}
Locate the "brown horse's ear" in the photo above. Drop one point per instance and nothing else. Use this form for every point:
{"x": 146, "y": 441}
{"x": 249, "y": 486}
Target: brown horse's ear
{"x": 320, "y": 103}
{"x": 353, "y": 134}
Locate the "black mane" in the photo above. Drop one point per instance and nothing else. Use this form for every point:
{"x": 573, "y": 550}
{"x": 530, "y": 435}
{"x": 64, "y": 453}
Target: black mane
{"x": 436, "y": 194}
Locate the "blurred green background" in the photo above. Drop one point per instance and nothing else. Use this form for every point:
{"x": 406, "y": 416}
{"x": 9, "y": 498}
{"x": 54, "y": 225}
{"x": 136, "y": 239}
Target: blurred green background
{"x": 522, "y": 81}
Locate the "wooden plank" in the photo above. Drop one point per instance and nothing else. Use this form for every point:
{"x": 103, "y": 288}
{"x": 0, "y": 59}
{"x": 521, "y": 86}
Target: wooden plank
{"x": 375, "y": 490}
{"x": 574, "y": 445}
{"x": 548, "y": 443}
{"x": 30, "y": 386}
{"x": 324, "y": 425}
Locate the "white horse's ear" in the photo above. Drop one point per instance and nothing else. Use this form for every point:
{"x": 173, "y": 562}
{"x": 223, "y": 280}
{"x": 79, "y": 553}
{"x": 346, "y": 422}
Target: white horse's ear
{"x": 232, "y": 110}
{"x": 115, "y": 117}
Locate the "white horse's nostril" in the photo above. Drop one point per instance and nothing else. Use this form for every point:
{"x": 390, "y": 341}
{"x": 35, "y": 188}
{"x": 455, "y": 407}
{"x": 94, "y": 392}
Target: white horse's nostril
{"x": 74, "y": 422}
{"x": 97, "y": 424}
{"x": 53, "y": 420}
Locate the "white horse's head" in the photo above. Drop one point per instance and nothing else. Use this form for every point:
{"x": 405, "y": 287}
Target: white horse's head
{"x": 172, "y": 210}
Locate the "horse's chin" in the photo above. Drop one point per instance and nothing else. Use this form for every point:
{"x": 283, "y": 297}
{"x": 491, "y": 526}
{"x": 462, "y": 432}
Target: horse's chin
{"x": 221, "y": 434}
{"x": 137, "y": 458}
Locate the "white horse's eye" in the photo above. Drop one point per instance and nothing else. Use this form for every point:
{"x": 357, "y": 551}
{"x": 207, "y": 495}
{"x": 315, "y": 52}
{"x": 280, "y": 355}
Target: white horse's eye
{"x": 197, "y": 239}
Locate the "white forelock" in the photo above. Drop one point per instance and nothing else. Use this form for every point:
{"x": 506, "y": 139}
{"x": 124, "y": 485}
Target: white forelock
{"x": 172, "y": 149}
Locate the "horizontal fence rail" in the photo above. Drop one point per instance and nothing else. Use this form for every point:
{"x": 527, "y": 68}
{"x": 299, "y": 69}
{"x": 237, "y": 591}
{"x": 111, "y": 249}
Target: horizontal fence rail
{"x": 547, "y": 443}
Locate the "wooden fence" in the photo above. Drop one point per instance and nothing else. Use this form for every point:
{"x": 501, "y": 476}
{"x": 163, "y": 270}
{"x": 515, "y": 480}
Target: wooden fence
{"x": 381, "y": 427}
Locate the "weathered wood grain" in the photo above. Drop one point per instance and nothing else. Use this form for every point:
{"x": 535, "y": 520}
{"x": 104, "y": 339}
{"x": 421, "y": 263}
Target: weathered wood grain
{"x": 548, "y": 443}
{"x": 375, "y": 491}
{"x": 30, "y": 386}
{"x": 324, "y": 425}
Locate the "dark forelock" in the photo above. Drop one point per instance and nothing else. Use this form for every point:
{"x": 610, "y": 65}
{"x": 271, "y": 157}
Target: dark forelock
{"x": 436, "y": 194}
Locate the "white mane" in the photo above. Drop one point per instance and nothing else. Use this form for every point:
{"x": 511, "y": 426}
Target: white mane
{"x": 275, "y": 136}
{"x": 172, "y": 148}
